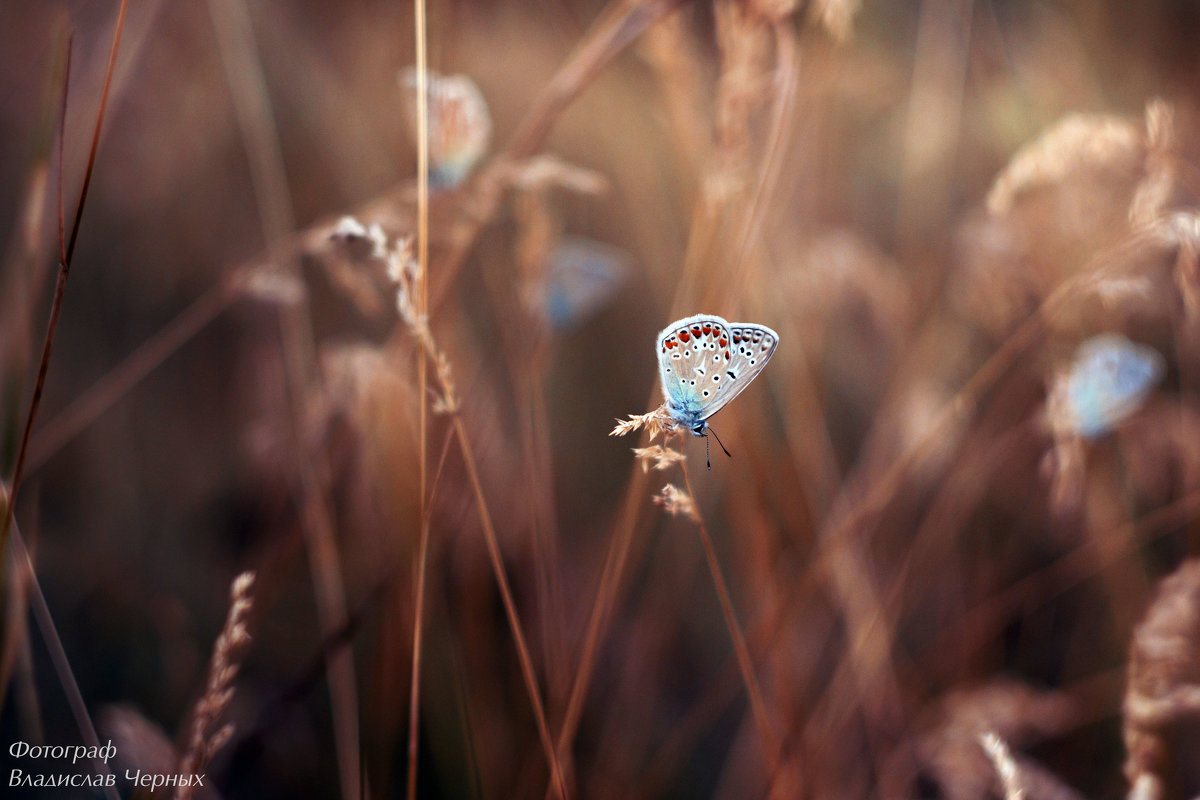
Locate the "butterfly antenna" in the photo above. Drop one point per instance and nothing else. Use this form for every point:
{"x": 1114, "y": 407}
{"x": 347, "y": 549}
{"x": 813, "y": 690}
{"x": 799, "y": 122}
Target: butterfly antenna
{"x": 718, "y": 438}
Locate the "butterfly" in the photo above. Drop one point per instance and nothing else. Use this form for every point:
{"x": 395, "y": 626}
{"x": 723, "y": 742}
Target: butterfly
{"x": 705, "y": 361}
{"x": 460, "y": 126}
{"x": 583, "y": 276}
{"x": 1109, "y": 379}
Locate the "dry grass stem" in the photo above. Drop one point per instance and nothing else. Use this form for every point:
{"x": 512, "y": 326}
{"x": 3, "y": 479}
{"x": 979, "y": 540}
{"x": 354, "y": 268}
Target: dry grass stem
{"x": 58, "y": 655}
{"x": 256, "y": 125}
{"x": 65, "y": 256}
{"x": 1120, "y": 291}
{"x": 1006, "y": 768}
{"x": 422, "y": 565}
{"x": 758, "y": 706}
{"x": 149, "y": 356}
{"x": 558, "y": 778}
{"x": 408, "y": 275}
{"x": 543, "y": 172}
{"x": 412, "y": 301}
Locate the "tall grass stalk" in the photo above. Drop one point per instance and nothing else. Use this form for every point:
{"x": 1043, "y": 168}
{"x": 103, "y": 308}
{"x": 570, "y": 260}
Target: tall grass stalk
{"x": 758, "y": 707}
{"x": 23, "y": 563}
{"x": 66, "y": 254}
{"x": 419, "y": 26}
{"x": 422, "y": 565}
{"x": 255, "y": 118}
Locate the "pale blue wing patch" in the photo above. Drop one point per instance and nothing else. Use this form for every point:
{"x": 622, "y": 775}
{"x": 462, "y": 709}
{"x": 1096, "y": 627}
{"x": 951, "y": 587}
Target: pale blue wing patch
{"x": 691, "y": 356}
{"x": 1109, "y": 379}
{"x": 583, "y": 276}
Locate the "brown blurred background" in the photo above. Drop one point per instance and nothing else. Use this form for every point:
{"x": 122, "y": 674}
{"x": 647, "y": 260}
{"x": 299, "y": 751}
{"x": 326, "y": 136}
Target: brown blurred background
{"x": 947, "y": 606}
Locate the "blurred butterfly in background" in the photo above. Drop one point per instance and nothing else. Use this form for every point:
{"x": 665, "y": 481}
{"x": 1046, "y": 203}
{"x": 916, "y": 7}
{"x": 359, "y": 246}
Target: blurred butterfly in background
{"x": 582, "y": 277}
{"x": 705, "y": 361}
{"x": 1109, "y": 379}
{"x": 460, "y": 127}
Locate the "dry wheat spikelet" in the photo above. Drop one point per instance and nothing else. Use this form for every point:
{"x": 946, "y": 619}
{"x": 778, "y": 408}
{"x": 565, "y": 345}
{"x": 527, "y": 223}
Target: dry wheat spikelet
{"x": 1153, "y": 193}
{"x": 837, "y": 17}
{"x": 656, "y": 422}
{"x": 1162, "y": 697}
{"x": 661, "y": 458}
{"x": 677, "y": 502}
{"x": 207, "y": 736}
{"x": 1075, "y": 142}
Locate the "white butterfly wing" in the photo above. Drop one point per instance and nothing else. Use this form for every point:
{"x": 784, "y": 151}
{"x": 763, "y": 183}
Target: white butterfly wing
{"x": 750, "y": 348}
{"x": 705, "y": 361}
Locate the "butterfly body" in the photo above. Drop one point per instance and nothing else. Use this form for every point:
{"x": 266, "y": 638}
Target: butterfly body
{"x": 705, "y": 361}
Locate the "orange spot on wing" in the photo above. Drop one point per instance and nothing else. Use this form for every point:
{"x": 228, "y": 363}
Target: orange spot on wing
{"x": 723, "y": 342}
{"x": 726, "y": 355}
{"x": 683, "y": 336}
{"x": 707, "y": 330}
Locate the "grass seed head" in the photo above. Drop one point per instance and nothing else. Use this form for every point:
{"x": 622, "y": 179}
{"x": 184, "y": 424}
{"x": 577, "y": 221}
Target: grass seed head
{"x": 677, "y": 502}
{"x": 661, "y": 458}
{"x": 656, "y": 422}
{"x": 1076, "y": 142}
